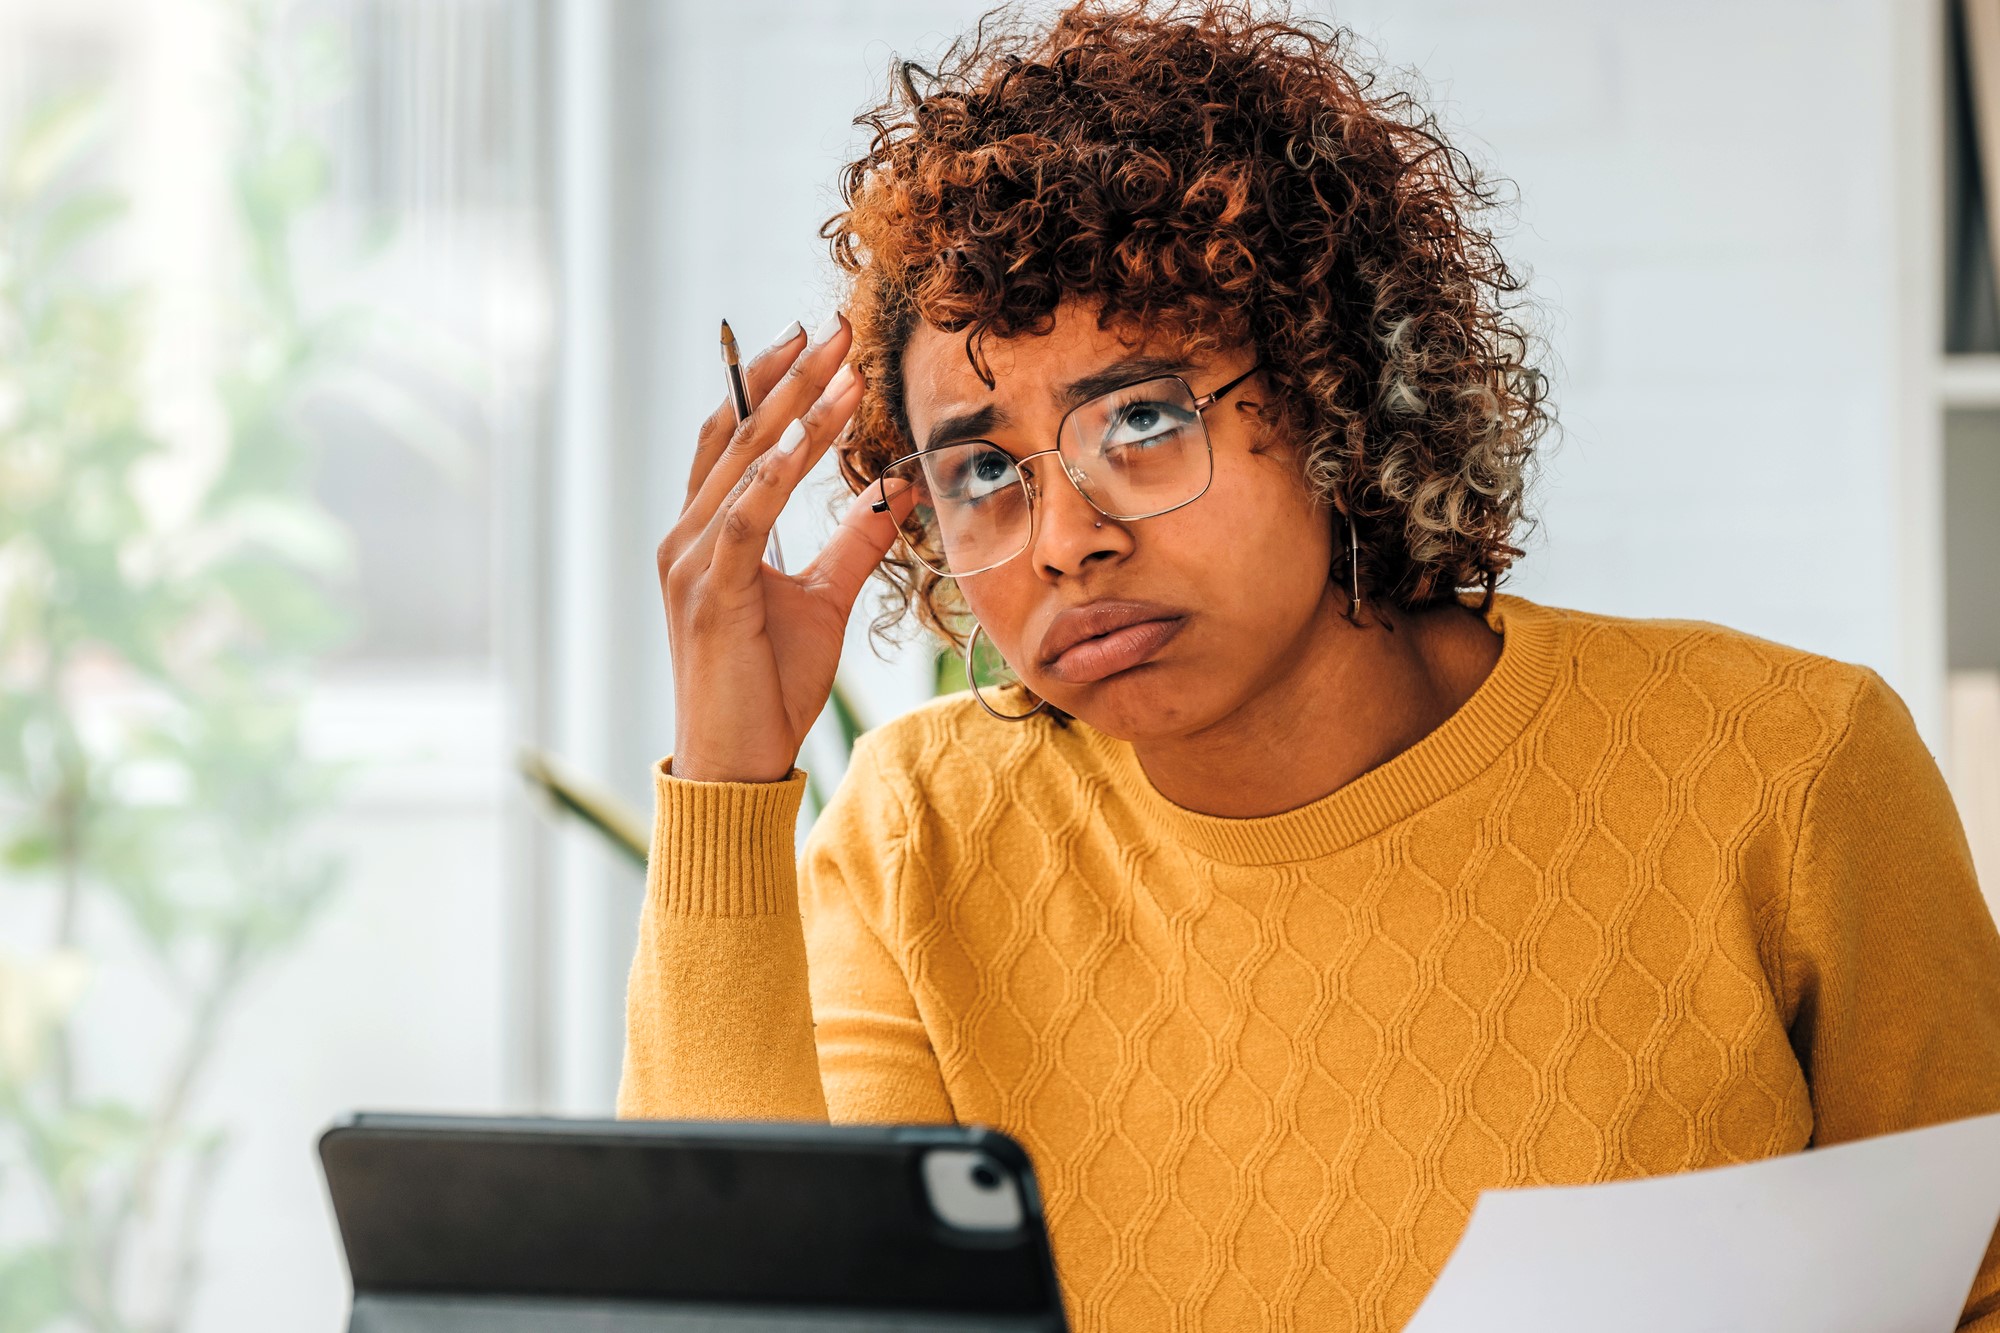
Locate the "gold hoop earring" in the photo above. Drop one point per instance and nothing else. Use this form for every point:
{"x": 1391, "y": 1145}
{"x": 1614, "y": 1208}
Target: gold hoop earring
{"x": 973, "y": 681}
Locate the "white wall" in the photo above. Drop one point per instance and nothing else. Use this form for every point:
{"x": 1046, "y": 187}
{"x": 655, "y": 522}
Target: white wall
{"x": 1709, "y": 210}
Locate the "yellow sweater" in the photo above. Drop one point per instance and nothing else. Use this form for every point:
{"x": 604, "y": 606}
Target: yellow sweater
{"x": 1659, "y": 896}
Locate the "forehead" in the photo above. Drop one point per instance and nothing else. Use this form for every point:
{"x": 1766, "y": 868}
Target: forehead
{"x": 1029, "y": 371}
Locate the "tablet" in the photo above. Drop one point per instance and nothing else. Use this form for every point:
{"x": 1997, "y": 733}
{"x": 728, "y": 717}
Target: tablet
{"x": 453, "y": 1223}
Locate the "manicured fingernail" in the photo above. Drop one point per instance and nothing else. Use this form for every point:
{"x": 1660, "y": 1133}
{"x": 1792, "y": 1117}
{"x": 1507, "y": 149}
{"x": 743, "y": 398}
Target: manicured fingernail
{"x": 842, "y": 381}
{"x": 793, "y": 437}
{"x": 792, "y": 330}
{"x": 828, "y": 329}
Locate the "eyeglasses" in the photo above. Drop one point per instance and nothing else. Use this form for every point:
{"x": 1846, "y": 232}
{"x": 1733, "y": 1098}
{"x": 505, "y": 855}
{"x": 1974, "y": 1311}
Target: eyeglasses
{"x": 1136, "y": 452}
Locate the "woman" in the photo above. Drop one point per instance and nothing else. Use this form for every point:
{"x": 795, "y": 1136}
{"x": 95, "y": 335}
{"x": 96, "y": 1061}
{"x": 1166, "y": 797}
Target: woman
{"x": 1305, "y": 886}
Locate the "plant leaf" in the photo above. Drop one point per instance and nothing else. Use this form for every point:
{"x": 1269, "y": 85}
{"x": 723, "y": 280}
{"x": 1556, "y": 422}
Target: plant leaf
{"x": 597, "y": 807}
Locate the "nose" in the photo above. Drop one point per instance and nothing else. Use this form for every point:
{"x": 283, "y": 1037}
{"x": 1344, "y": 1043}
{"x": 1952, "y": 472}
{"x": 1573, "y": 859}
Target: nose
{"x": 1071, "y": 537}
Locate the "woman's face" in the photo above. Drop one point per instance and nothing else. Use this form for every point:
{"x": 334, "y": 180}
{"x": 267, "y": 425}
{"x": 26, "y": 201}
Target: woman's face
{"x": 1189, "y": 615}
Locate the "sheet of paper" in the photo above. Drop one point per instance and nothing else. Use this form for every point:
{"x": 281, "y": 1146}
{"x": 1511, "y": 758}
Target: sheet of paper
{"x": 1879, "y": 1236}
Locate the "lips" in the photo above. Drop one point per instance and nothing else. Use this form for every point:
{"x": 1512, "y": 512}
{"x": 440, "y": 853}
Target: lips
{"x": 1087, "y": 643}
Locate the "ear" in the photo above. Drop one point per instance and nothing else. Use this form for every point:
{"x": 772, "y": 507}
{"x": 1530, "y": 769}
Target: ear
{"x": 1261, "y": 418}
{"x": 1267, "y": 434}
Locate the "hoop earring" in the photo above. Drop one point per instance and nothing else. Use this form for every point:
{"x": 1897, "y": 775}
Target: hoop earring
{"x": 973, "y": 681}
{"x": 1353, "y": 568}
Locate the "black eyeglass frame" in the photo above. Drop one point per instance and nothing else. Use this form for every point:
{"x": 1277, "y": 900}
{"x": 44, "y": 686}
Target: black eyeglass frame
{"x": 1202, "y": 402}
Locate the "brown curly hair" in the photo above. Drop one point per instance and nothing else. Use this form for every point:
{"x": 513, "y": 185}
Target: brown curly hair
{"x": 1217, "y": 172}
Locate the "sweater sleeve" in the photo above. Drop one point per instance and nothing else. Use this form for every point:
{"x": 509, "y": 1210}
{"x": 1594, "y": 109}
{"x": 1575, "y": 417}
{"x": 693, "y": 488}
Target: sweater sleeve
{"x": 729, "y": 976}
{"x": 1891, "y": 958}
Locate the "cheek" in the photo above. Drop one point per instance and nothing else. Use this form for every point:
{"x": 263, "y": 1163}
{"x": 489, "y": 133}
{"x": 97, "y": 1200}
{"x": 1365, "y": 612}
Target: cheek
{"x": 1002, "y": 601}
{"x": 1255, "y": 544}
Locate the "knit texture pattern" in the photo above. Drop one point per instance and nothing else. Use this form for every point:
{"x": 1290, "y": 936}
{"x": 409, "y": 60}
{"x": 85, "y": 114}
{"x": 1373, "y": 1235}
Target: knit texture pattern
{"x": 1660, "y": 896}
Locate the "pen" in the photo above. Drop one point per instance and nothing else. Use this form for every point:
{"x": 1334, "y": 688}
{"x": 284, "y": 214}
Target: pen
{"x": 739, "y": 398}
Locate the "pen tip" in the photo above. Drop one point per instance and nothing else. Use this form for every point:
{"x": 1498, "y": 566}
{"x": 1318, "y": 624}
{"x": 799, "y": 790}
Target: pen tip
{"x": 727, "y": 336}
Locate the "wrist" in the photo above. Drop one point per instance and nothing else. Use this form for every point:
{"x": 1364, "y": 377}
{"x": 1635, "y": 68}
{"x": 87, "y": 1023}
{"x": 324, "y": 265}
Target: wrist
{"x": 691, "y": 766}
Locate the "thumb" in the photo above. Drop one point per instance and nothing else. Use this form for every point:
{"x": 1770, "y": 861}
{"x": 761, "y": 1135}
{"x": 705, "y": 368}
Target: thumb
{"x": 858, "y": 544}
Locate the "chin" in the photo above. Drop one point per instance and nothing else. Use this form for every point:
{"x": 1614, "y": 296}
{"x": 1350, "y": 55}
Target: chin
{"x": 1148, "y": 701}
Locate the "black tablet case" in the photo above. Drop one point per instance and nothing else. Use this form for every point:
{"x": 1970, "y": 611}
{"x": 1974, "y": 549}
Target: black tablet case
{"x": 453, "y": 1224}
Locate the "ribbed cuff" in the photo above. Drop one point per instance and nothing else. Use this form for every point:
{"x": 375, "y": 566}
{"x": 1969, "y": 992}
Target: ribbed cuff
{"x": 724, "y": 848}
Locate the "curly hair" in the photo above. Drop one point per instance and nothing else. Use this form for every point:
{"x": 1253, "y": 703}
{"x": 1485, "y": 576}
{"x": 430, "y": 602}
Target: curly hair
{"x": 1215, "y": 172}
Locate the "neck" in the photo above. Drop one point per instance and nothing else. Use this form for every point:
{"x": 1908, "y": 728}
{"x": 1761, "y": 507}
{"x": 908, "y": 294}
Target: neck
{"x": 1362, "y": 694}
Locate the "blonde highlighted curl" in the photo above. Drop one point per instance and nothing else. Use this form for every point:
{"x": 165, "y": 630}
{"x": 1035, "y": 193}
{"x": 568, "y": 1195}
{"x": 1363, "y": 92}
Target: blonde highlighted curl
{"x": 1222, "y": 173}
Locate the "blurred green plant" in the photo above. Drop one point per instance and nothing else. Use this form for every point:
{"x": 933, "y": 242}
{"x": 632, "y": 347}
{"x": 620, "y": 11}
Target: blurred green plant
{"x": 596, "y": 806}
{"x": 156, "y": 796}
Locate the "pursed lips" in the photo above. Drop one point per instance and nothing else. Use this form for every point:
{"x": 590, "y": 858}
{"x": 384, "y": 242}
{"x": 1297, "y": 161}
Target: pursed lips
{"x": 1099, "y": 639}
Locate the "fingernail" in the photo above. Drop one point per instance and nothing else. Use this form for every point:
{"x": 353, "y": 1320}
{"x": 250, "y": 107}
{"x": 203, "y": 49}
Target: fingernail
{"x": 842, "y": 381}
{"x": 828, "y": 329}
{"x": 792, "y": 330}
{"x": 793, "y": 437}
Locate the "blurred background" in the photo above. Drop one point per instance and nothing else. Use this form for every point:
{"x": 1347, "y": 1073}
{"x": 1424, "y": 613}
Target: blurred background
{"x": 350, "y": 352}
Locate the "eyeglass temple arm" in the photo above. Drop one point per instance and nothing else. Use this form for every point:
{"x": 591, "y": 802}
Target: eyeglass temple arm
{"x": 1206, "y": 399}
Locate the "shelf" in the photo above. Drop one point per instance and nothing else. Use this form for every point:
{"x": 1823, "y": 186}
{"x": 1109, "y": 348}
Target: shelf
{"x": 1969, "y": 380}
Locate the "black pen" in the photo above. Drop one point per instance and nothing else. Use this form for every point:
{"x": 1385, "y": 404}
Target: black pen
{"x": 739, "y": 398}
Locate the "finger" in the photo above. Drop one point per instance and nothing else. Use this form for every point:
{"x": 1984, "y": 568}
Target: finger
{"x": 765, "y": 369}
{"x": 749, "y": 510}
{"x": 787, "y": 401}
{"x": 743, "y": 523}
{"x": 859, "y": 542}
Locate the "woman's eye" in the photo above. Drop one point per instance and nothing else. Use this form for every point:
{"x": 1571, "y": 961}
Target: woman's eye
{"x": 1142, "y": 423}
{"x": 977, "y": 475}
{"x": 1144, "y": 418}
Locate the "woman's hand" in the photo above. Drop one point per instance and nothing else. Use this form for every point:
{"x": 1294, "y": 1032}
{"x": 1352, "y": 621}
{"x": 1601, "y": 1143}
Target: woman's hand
{"x": 754, "y": 651}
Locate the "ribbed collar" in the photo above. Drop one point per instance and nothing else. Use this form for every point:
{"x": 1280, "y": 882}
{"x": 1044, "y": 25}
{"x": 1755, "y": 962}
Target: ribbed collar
{"x": 1533, "y": 644}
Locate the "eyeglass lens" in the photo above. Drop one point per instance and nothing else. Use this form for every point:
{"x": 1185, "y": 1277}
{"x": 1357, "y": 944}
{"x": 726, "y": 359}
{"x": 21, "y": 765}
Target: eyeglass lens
{"x": 1134, "y": 452}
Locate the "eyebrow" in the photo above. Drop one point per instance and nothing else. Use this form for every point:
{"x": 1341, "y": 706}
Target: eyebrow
{"x": 1117, "y": 375}
{"x": 974, "y": 425}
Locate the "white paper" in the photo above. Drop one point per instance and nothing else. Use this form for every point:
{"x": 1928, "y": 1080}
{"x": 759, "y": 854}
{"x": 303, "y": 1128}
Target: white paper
{"x": 1883, "y": 1235}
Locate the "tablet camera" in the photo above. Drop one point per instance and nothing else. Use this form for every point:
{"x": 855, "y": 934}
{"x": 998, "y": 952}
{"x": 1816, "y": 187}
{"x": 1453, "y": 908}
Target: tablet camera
{"x": 970, "y": 1191}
